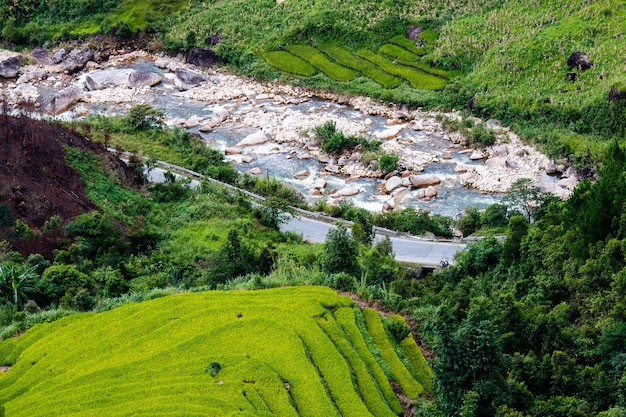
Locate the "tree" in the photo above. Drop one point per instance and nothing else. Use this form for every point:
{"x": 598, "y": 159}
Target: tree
{"x": 273, "y": 212}
{"x": 515, "y": 232}
{"x": 142, "y": 117}
{"x": 16, "y": 282}
{"x": 469, "y": 359}
{"x": 362, "y": 228}
{"x": 341, "y": 252}
{"x": 525, "y": 196}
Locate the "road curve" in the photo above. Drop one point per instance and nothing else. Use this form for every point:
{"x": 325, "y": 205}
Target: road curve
{"x": 407, "y": 249}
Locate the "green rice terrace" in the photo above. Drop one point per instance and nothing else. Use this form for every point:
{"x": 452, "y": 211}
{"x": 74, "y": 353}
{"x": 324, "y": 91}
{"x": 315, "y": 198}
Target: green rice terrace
{"x": 394, "y": 62}
{"x": 286, "y": 352}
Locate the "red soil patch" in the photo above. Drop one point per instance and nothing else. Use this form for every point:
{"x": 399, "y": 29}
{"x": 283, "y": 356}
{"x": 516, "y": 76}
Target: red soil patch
{"x": 35, "y": 181}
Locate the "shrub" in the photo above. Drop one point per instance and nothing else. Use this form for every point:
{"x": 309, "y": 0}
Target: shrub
{"x": 480, "y": 135}
{"x": 289, "y": 63}
{"x": 334, "y": 141}
{"x": 318, "y": 60}
{"x": 469, "y": 222}
{"x": 397, "y": 329}
{"x": 388, "y": 162}
{"x": 142, "y": 117}
{"x": 344, "y": 282}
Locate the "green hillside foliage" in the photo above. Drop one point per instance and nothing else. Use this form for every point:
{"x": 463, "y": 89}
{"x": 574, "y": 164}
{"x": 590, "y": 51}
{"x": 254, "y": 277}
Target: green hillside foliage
{"x": 407, "y": 44}
{"x": 272, "y": 352}
{"x": 35, "y": 22}
{"x": 398, "y": 52}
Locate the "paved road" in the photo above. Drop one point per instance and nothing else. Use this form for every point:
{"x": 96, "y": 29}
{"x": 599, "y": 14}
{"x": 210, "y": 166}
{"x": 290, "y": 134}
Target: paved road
{"x": 425, "y": 252}
{"x": 406, "y": 249}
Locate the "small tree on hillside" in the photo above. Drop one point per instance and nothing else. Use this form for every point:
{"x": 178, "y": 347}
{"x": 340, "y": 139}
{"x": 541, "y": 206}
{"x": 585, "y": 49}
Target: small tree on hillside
{"x": 341, "y": 252}
{"x": 525, "y": 196}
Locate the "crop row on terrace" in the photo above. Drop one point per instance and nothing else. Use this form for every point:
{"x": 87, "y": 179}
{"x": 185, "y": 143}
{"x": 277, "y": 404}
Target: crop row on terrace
{"x": 368, "y": 69}
{"x": 263, "y": 353}
{"x": 417, "y": 78}
{"x": 320, "y": 61}
{"x": 375, "y": 327}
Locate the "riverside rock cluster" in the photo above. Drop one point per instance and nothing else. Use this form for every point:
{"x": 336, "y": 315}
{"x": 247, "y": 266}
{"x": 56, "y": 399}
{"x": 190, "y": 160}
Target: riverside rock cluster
{"x": 69, "y": 83}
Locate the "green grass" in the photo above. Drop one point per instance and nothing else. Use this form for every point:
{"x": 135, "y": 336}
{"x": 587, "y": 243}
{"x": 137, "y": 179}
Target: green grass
{"x": 418, "y": 79}
{"x": 280, "y": 351}
{"x": 429, "y": 36}
{"x": 403, "y": 377}
{"x": 105, "y": 189}
{"x": 318, "y": 60}
{"x": 346, "y": 319}
{"x": 347, "y": 59}
{"x": 289, "y": 63}
{"x": 407, "y": 44}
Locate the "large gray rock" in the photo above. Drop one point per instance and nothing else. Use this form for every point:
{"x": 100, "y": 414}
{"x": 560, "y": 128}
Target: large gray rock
{"x": 412, "y": 32}
{"x": 202, "y": 57}
{"x": 9, "y": 63}
{"x": 41, "y": 55}
{"x": 423, "y": 181}
{"x": 393, "y": 183}
{"x": 220, "y": 114}
{"x": 101, "y": 79}
{"x": 138, "y": 79}
{"x": 186, "y": 79}
{"x": 58, "y": 56}
{"x": 346, "y": 192}
{"x": 63, "y": 100}
{"x": 254, "y": 139}
{"x": 76, "y": 60}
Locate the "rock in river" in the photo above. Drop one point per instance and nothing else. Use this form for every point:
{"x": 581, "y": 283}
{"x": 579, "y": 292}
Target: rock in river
{"x": 254, "y": 139}
{"x": 63, "y": 100}
{"x": 9, "y": 63}
{"x": 138, "y": 79}
{"x": 186, "y": 79}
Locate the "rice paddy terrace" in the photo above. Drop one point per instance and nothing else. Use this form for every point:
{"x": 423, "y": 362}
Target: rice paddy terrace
{"x": 286, "y": 352}
{"x": 396, "y": 61}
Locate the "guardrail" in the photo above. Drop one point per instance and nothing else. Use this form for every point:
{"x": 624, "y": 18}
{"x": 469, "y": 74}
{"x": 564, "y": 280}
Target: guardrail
{"x": 306, "y": 213}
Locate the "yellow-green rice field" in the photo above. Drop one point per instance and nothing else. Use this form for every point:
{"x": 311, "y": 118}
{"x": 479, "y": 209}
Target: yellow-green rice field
{"x": 279, "y": 352}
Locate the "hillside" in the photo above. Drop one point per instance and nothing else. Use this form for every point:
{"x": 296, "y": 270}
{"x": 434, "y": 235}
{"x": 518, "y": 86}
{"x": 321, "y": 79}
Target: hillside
{"x": 288, "y": 352}
{"x": 38, "y": 187}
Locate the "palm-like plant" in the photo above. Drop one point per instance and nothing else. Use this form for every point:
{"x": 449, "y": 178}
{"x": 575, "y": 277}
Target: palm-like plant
{"x": 16, "y": 282}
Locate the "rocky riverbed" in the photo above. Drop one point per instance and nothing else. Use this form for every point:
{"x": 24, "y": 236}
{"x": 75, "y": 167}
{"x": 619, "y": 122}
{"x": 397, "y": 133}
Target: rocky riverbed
{"x": 267, "y": 128}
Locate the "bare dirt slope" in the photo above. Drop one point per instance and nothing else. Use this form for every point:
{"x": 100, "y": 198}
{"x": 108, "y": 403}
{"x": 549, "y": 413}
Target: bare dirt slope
{"x": 35, "y": 181}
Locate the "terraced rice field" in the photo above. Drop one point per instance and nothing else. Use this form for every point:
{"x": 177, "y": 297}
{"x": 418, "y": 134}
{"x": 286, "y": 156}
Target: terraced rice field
{"x": 397, "y": 60}
{"x": 281, "y": 352}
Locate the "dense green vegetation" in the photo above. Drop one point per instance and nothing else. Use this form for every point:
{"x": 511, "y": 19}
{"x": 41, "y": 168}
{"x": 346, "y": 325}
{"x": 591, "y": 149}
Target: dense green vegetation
{"x": 35, "y": 22}
{"x": 532, "y": 326}
{"x": 272, "y": 352}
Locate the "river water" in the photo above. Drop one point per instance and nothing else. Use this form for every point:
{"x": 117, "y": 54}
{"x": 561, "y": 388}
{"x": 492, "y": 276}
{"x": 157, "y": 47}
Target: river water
{"x": 279, "y": 161}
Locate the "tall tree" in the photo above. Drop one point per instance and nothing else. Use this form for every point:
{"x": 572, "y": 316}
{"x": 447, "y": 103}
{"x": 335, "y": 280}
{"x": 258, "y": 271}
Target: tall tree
{"x": 341, "y": 252}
